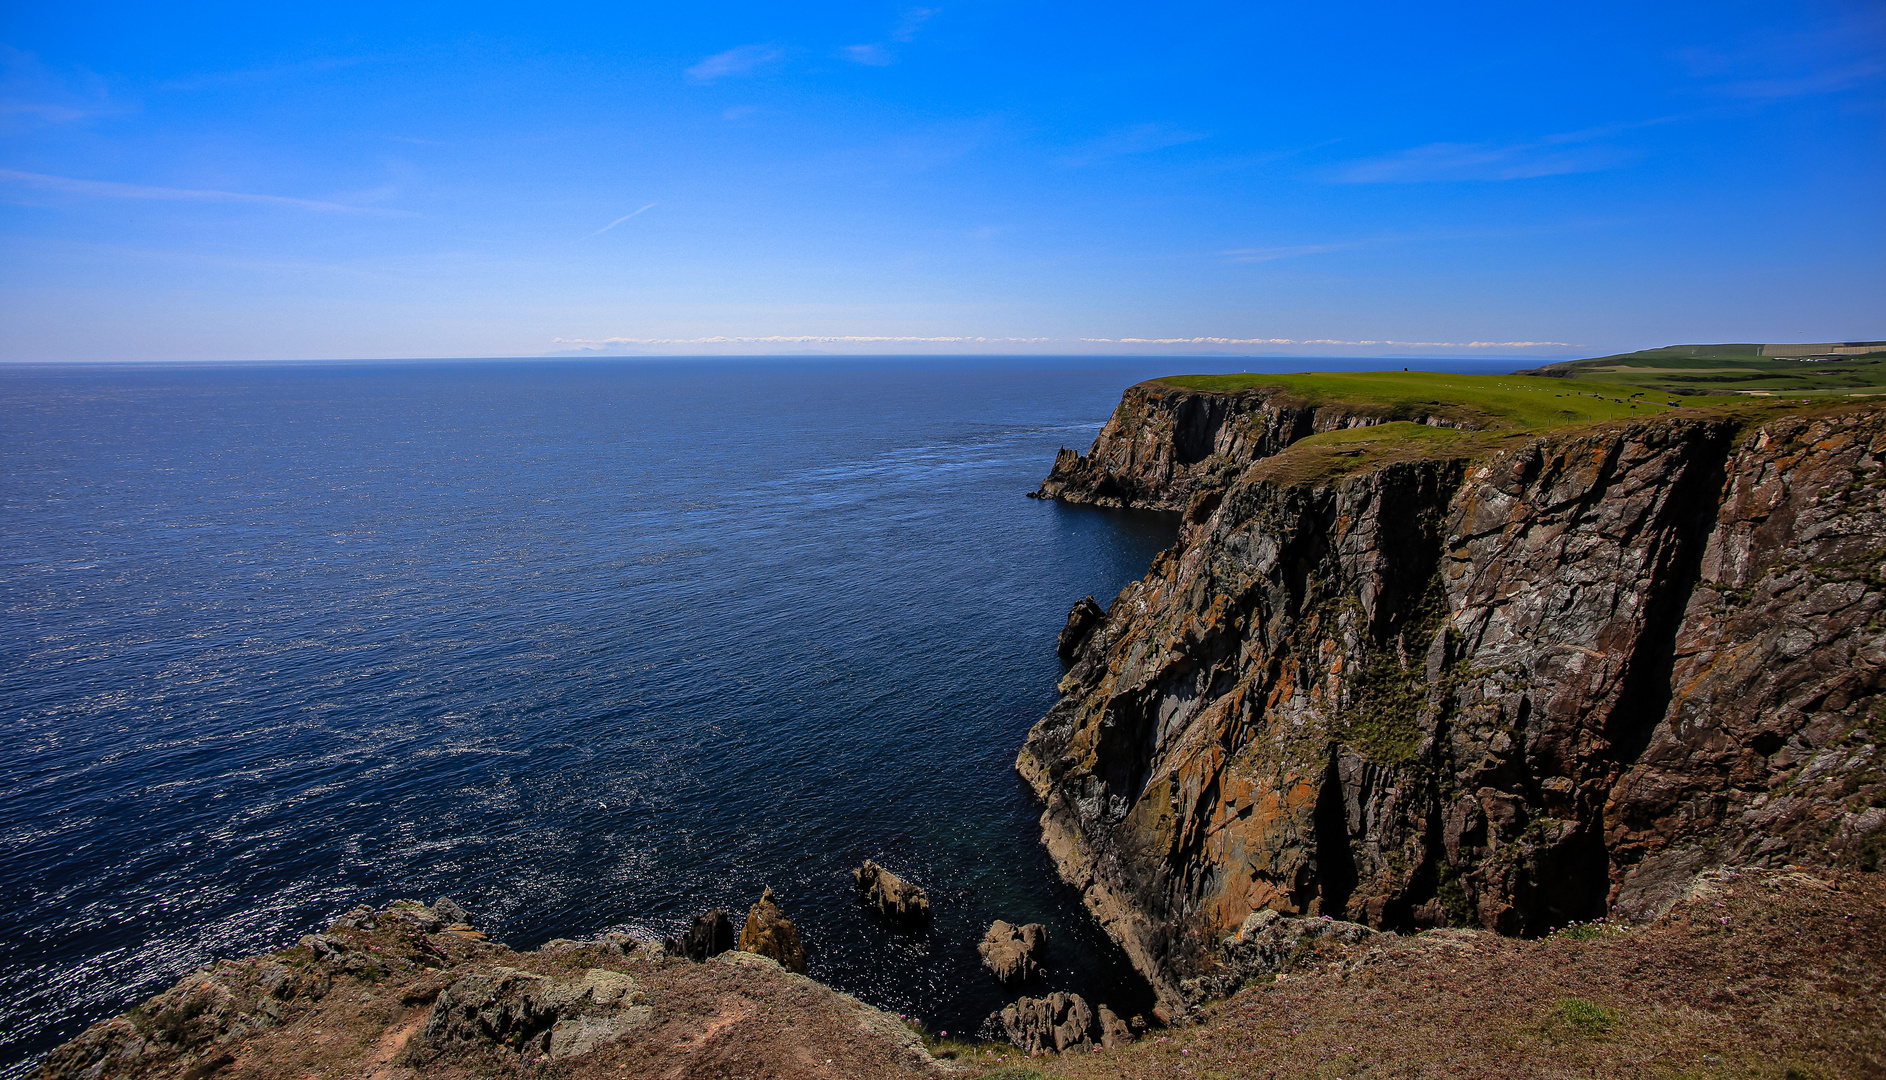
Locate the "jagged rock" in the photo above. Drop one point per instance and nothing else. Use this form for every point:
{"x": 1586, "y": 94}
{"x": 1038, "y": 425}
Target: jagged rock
{"x": 769, "y": 933}
{"x": 1082, "y": 621}
{"x": 339, "y": 956}
{"x": 710, "y": 935}
{"x": 1114, "y": 1031}
{"x": 1514, "y": 685}
{"x": 1014, "y": 953}
{"x": 1268, "y": 943}
{"x": 533, "y": 1013}
{"x": 1057, "y": 1022}
{"x": 359, "y": 918}
{"x": 450, "y": 913}
{"x": 900, "y": 903}
{"x": 503, "y": 1007}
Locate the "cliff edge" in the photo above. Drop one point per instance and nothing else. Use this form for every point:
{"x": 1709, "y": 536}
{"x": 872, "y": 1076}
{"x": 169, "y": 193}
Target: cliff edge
{"x": 1504, "y": 678}
{"x": 1171, "y": 437}
{"x": 402, "y": 992}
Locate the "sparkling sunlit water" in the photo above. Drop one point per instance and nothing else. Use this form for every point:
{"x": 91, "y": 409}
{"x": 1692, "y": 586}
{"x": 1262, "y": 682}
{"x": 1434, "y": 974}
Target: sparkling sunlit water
{"x": 582, "y": 644}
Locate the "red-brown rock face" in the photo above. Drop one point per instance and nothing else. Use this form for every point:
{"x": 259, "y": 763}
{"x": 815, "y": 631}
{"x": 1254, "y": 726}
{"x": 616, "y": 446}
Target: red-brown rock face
{"x": 1511, "y": 691}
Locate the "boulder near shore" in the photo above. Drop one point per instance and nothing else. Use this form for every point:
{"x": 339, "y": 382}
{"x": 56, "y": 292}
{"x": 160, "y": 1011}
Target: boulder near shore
{"x": 901, "y": 903}
{"x": 1014, "y": 954}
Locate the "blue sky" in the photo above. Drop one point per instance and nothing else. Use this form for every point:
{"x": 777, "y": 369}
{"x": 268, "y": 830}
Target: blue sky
{"x": 238, "y": 182}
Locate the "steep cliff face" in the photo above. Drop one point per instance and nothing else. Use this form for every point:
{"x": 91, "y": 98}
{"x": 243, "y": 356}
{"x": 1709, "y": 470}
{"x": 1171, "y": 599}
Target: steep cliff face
{"x": 1508, "y": 687}
{"x": 1163, "y": 442}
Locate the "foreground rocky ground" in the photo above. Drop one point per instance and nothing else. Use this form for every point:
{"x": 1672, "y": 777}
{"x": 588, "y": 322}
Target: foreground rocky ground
{"x": 400, "y": 994}
{"x": 1775, "y": 975}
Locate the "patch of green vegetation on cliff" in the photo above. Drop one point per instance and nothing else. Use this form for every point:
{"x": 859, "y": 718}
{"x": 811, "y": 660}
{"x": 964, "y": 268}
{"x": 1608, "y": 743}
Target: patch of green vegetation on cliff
{"x": 1478, "y": 401}
{"x": 1338, "y": 453}
{"x": 1383, "y": 720}
{"x": 1382, "y": 724}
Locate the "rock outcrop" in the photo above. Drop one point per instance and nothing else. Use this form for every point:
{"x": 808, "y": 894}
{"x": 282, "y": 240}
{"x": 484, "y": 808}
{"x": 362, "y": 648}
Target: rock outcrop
{"x": 769, "y": 933}
{"x": 1510, "y": 688}
{"x": 899, "y": 902}
{"x": 1057, "y": 1022}
{"x": 1266, "y": 944}
{"x": 533, "y": 1013}
{"x": 1164, "y": 441}
{"x": 709, "y": 935}
{"x": 1082, "y": 621}
{"x": 1012, "y": 953}
{"x": 395, "y": 993}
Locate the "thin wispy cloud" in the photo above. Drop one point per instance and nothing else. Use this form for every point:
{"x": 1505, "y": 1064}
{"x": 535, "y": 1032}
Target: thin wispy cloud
{"x": 736, "y": 61}
{"x": 622, "y": 219}
{"x": 912, "y": 21}
{"x": 868, "y": 55}
{"x": 1255, "y": 255}
{"x": 1550, "y": 155}
{"x": 35, "y": 95}
{"x": 106, "y": 189}
{"x": 212, "y": 79}
{"x": 1829, "y": 81}
{"x": 1329, "y": 341}
{"x": 1840, "y": 54}
{"x": 889, "y": 339}
{"x": 879, "y": 54}
{"x": 1139, "y": 139}
{"x": 799, "y": 339}
{"x": 1481, "y": 161}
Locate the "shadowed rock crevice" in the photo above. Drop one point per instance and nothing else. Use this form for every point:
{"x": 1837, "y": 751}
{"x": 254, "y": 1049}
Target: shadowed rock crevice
{"x": 1335, "y": 862}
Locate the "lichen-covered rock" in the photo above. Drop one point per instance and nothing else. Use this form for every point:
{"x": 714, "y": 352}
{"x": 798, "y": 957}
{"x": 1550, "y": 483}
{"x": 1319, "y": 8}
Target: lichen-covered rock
{"x": 769, "y": 933}
{"x": 1082, "y": 621}
{"x": 450, "y": 913}
{"x": 710, "y": 934}
{"x": 1014, "y": 953}
{"x": 1512, "y": 688}
{"x": 502, "y": 1007}
{"x": 1269, "y": 943}
{"x": 1057, "y": 1022}
{"x": 901, "y": 903}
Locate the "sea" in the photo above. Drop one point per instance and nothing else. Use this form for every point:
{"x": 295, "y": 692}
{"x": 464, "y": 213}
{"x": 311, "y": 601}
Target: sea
{"x": 583, "y": 644}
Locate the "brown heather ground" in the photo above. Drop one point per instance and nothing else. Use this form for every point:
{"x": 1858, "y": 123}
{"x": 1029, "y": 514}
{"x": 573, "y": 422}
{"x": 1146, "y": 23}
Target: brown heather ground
{"x": 1775, "y": 975}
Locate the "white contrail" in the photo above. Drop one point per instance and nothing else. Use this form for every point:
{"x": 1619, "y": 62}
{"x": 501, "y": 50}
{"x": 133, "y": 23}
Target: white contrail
{"x": 620, "y": 220}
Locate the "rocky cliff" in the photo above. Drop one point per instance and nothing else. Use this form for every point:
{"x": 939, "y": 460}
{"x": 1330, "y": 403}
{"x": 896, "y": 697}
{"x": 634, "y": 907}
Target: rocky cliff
{"x": 1505, "y": 681}
{"x": 1164, "y": 441}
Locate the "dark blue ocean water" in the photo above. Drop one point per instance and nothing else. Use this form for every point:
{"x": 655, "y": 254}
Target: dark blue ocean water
{"x": 582, "y": 644}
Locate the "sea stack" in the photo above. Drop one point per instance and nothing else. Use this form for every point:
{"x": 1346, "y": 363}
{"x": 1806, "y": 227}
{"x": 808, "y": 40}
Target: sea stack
{"x": 902, "y": 904}
{"x": 769, "y": 933}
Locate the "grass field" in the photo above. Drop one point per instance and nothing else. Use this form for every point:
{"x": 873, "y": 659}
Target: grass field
{"x": 1487, "y": 401}
{"x": 1728, "y": 370}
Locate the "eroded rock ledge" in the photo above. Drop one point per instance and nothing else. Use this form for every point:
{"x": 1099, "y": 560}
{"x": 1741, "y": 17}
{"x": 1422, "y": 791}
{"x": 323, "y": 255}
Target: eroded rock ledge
{"x": 1508, "y": 688}
{"x": 1165, "y": 442}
